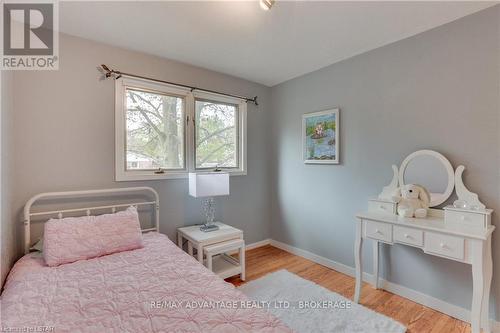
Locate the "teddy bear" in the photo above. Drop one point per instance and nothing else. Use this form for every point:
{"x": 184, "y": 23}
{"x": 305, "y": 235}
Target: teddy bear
{"x": 413, "y": 200}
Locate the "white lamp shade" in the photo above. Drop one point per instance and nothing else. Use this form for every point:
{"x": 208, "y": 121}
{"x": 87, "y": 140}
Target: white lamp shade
{"x": 208, "y": 184}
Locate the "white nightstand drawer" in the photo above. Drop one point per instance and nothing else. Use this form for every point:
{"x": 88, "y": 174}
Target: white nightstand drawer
{"x": 381, "y": 206}
{"x": 444, "y": 245}
{"x": 470, "y": 219}
{"x": 379, "y": 231}
{"x": 408, "y": 236}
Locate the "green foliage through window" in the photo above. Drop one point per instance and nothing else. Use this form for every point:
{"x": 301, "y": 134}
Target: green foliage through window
{"x": 216, "y": 128}
{"x": 155, "y": 131}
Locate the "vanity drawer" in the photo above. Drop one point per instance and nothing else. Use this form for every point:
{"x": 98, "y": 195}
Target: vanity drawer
{"x": 444, "y": 245}
{"x": 469, "y": 219}
{"x": 408, "y": 236}
{"x": 382, "y": 206}
{"x": 379, "y": 231}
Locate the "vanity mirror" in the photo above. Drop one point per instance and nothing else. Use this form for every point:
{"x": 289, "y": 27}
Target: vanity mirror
{"x": 431, "y": 170}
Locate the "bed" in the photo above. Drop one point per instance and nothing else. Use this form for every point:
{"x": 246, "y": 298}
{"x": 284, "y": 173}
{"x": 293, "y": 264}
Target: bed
{"x": 157, "y": 288}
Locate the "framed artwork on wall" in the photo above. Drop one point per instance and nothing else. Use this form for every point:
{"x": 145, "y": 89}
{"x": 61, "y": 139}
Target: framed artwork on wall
{"x": 320, "y": 137}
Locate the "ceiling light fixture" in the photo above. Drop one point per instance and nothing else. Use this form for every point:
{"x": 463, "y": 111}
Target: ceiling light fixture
{"x": 266, "y": 4}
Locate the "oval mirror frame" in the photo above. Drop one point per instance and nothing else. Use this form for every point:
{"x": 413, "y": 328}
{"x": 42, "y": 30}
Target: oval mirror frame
{"x": 436, "y": 201}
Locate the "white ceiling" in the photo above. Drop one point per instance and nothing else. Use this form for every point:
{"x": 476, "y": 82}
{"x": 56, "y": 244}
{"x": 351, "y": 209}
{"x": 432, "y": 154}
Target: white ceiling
{"x": 240, "y": 39}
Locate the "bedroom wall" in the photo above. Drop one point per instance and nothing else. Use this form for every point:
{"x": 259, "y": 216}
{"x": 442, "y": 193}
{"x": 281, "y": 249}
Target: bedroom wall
{"x": 438, "y": 90}
{"x": 64, "y": 136}
{"x": 7, "y": 228}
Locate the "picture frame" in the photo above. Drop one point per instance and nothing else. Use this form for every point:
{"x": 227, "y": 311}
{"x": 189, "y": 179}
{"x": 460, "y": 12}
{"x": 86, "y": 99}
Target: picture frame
{"x": 320, "y": 137}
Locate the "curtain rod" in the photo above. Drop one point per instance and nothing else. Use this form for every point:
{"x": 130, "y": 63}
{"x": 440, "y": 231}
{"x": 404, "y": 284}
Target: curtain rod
{"x": 111, "y": 73}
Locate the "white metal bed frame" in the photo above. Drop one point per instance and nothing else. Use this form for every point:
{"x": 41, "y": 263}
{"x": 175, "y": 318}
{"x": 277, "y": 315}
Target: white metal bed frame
{"x": 88, "y": 210}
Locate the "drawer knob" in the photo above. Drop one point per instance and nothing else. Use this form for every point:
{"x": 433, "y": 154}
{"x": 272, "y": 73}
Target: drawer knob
{"x": 443, "y": 245}
{"x": 377, "y": 231}
{"x": 407, "y": 236}
{"x": 382, "y": 207}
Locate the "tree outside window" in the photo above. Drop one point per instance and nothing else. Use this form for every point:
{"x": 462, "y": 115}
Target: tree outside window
{"x": 216, "y": 135}
{"x": 160, "y": 126}
{"x": 155, "y": 131}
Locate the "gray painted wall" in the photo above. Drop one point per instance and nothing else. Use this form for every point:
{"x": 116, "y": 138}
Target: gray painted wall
{"x": 438, "y": 90}
{"x": 7, "y": 230}
{"x": 63, "y": 136}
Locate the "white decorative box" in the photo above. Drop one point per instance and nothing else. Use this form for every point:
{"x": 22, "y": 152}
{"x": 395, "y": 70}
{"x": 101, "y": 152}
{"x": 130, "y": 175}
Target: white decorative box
{"x": 382, "y": 206}
{"x": 474, "y": 219}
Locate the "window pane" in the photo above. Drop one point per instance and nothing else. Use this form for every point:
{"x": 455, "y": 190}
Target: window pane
{"x": 216, "y": 135}
{"x": 155, "y": 131}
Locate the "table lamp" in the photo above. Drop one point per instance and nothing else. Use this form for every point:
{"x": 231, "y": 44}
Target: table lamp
{"x": 208, "y": 185}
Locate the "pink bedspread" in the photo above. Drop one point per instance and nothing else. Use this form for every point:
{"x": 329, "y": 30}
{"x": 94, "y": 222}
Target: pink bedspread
{"x": 158, "y": 288}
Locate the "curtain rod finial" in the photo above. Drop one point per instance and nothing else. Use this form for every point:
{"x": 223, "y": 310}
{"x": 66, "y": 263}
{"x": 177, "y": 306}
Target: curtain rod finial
{"x": 254, "y": 100}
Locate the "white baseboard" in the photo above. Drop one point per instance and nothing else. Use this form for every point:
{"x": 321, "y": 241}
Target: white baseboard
{"x": 416, "y": 296}
{"x": 258, "y": 244}
{"x": 255, "y": 245}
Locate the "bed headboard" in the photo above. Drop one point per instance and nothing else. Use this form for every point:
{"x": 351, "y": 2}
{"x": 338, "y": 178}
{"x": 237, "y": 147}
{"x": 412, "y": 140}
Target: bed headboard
{"x": 28, "y": 214}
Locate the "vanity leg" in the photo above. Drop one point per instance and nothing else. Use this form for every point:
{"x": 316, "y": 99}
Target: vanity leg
{"x": 190, "y": 248}
{"x": 357, "y": 261}
{"x": 477, "y": 284}
{"x": 375, "y": 264}
{"x": 488, "y": 272}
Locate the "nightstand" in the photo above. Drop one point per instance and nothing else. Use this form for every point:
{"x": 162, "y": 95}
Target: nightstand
{"x": 200, "y": 239}
{"x": 222, "y": 264}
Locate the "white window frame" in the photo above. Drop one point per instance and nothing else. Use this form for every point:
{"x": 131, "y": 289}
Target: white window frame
{"x": 241, "y": 131}
{"x": 122, "y": 174}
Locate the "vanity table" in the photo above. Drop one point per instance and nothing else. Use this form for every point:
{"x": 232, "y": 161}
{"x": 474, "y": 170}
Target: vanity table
{"x": 461, "y": 232}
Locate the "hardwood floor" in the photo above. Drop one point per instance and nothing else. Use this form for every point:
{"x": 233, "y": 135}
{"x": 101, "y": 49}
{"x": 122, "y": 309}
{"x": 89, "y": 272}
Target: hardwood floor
{"x": 418, "y": 318}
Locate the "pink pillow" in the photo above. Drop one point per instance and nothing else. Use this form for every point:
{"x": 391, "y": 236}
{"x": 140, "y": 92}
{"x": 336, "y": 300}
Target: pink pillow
{"x": 76, "y": 238}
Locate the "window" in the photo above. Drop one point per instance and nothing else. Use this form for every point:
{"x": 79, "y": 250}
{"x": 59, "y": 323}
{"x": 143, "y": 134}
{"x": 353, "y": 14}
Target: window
{"x": 216, "y": 128}
{"x": 155, "y": 131}
{"x": 164, "y": 131}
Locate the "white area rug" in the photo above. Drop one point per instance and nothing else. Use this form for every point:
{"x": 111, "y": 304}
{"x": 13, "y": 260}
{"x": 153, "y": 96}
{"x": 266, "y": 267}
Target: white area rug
{"x": 312, "y": 308}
